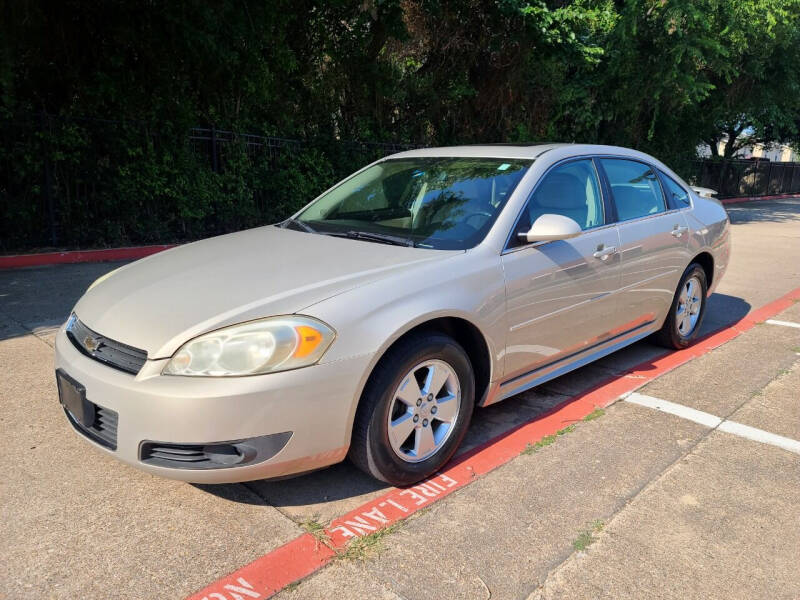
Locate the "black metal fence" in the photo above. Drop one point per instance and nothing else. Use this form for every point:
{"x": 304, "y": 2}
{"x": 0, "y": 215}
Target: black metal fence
{"x": 211, "y": 143}
{"x": 741, "y": 178}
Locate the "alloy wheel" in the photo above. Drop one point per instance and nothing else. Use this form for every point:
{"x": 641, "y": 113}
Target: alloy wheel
{"x": 424, "y": 410}
{"x": 688, "y": 308}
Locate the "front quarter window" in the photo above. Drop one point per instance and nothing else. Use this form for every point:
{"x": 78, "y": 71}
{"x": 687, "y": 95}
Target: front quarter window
{"x": 441, "y": 203}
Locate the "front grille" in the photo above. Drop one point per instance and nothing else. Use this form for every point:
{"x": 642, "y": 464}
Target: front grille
{"x": 114, "y": 354}
{"x": 103, "y": 429}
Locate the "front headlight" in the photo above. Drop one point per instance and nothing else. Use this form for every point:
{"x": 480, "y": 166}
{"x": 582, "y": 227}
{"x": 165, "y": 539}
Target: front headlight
{"x": 263, "y": 346}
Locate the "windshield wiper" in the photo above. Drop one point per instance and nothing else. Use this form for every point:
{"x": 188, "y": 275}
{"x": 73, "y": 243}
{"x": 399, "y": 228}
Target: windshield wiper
{"x": 380, "y": 238}
{"x": 300, "y": 224}
{"x": 367, "y": 236}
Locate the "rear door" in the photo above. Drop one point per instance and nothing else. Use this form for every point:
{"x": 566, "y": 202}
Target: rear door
{"x": 654, "y": 240}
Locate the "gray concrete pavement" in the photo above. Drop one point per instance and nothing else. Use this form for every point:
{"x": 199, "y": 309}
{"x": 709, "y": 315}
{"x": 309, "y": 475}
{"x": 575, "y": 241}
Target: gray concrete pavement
{"x": 721, "y": 523}
{"x": 776, "y": 407}
{"x": 77, "y": 523}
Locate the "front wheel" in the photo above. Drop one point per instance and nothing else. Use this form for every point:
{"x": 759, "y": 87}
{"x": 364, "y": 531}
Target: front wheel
{"x": 686, "y": 313}
{"x": 415, "y": 409}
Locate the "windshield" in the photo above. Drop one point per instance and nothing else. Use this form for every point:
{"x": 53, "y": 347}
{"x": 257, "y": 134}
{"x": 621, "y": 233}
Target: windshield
{"x": 442, "y": 203}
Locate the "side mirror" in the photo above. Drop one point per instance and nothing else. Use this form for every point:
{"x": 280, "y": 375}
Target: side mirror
{"x": 549, "y": 227}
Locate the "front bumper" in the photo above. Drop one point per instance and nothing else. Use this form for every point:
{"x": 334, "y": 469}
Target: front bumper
{"x": 315, "y": 404}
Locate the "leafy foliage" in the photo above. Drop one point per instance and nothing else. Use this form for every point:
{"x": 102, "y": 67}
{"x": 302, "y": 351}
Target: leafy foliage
{"x": 659, "y": 75}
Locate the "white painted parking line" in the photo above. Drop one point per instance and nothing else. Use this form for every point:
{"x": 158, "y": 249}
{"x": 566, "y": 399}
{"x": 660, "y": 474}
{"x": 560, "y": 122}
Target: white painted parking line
{"x": 679, "y": 410}
{"x": 759, "y": 435}
{"x": 784, "y": 323}
{"x": 713, "y": 421}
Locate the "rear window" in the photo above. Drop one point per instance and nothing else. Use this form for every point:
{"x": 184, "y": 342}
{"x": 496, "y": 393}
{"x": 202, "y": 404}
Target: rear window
{"x": 635, "y": 188}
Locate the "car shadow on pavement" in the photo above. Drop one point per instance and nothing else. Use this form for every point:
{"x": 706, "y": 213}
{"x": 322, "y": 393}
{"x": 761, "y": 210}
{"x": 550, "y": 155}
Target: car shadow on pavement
{"x": 329, "y": 485}
{"x": 337, "y": 489}
{"x": 723, "y": 310}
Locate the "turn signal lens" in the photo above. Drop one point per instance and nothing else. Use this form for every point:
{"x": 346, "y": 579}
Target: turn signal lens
{"x": 254, "y": 348}
{"x": 309, "y": 340}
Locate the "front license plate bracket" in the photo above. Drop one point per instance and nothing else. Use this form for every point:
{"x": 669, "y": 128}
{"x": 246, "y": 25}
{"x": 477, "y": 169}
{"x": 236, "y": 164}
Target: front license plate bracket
{"x": 72, "y": 396}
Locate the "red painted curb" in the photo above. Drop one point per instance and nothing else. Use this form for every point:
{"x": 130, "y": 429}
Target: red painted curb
{"x": 304, "y": 555}
{"x": 289, "y": 563}
{"x": 758, "y": 198}
{"x": 79, "y": 256}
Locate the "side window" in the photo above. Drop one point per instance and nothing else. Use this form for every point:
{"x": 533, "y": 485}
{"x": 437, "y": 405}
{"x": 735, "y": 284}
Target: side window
{"x": 677, "y": 196}
{"x": 571, "y": 190}
{"x": 635, "y": 188}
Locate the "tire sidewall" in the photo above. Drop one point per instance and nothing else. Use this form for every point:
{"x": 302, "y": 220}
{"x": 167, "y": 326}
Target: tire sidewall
{"x": 382, "y": 457}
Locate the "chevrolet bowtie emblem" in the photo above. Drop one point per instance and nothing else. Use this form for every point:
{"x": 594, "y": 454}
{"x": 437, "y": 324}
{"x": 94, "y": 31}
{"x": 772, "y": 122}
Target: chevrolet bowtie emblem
{"x": 91, "y": 343}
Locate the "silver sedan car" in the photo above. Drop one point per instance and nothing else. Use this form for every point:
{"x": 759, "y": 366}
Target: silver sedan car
{"x": 371, "y": 323}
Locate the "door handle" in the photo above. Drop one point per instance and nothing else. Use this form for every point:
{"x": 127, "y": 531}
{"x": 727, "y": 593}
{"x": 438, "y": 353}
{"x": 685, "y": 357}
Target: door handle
{"x": 678, "y": 231}
{"x": 604, "y": 253}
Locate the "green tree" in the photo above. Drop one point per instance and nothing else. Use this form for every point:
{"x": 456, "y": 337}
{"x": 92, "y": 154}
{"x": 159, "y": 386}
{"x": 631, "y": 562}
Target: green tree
{"x": 756, "y": 98}
{"x": 680, "y": 73}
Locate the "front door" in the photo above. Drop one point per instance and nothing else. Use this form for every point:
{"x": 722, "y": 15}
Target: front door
{"x": 560, "y": 295}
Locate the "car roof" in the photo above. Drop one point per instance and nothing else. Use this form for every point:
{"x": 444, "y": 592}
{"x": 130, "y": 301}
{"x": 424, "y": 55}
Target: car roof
{"x": 527, "y": 151}
{"x": 518, "y": 150}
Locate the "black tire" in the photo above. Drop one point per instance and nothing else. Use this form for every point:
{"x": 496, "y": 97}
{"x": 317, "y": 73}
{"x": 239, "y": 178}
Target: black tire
{"x": 670, "y": 335}
{"x": 370, "y": 449}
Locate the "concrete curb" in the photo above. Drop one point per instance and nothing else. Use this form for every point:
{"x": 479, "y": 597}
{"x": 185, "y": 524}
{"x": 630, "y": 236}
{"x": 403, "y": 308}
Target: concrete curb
{"x": 132, "y": 253}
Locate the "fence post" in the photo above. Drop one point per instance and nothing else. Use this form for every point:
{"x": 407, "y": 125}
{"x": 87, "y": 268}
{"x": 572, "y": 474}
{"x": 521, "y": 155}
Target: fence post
{"x": 723, "y": 170}
{"x": 47, "y": 189}
{"x": 769, "y": 179}
{"x": 739, "y": 173}
{"x": 214, "y": 158}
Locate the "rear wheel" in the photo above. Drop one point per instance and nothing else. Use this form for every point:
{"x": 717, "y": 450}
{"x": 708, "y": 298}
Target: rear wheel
{"x": 415, "y": 409}
{"x": 686, "y": 313}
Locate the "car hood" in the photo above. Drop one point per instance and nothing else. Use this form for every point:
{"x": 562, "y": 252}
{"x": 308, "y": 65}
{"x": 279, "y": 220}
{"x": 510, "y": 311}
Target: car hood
{"x": 160, "y": 302}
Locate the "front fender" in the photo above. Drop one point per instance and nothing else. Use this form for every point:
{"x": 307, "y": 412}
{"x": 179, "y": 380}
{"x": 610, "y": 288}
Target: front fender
{"x": 369, "y": 319}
